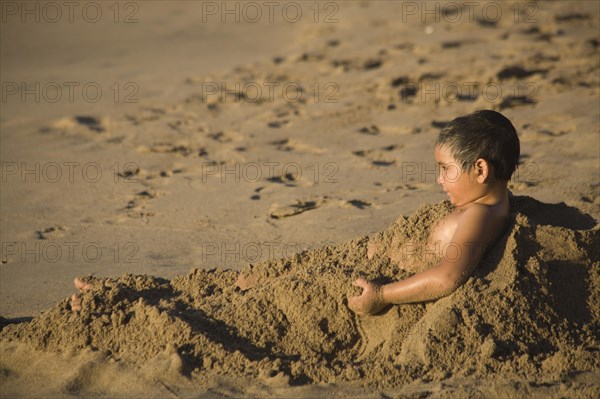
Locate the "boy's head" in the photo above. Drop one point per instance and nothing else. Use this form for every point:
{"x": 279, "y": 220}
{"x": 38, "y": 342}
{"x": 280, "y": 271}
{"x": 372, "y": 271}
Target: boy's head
{"x": 482, "y": 134}
{"x": 482, "y": 147}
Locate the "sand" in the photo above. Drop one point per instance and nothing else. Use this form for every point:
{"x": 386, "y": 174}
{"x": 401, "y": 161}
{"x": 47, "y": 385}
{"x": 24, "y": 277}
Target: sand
{"x": 525, "y": 325}
{"x": 510, "y": 321}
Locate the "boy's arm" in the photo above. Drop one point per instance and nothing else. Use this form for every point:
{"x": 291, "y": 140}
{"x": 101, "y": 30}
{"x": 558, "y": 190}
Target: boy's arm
{"x": 459, "y": 261}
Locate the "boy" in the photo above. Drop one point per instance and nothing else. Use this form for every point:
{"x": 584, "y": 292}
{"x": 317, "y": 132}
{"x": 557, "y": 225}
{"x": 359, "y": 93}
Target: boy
{"x": 477, "y": 154}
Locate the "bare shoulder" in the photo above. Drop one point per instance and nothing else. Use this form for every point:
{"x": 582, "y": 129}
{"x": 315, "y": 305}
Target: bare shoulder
{"x": 483, "y": 221}
{"x": 474, "y": 212}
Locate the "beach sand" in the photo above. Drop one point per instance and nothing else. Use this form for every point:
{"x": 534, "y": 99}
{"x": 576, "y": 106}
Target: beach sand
{"x": 198, "y": 186}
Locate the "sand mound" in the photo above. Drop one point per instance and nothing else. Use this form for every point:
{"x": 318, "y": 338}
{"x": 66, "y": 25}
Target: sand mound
{"x": 531, "y": 310}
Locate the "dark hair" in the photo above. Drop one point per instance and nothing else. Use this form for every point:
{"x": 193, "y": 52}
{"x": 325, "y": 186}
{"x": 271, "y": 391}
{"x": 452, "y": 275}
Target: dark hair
{"x": 483, "y": 134}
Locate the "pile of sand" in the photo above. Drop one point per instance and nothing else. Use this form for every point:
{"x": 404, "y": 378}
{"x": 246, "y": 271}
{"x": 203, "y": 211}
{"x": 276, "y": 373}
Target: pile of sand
{"x": 532, "y": 310}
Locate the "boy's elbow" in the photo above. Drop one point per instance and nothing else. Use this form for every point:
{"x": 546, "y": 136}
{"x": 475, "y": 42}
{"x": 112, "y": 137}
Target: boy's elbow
{"x": 451, "y": 282}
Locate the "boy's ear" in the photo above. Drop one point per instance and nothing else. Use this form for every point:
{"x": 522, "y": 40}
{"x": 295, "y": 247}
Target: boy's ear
{"x": 482, "y": 170}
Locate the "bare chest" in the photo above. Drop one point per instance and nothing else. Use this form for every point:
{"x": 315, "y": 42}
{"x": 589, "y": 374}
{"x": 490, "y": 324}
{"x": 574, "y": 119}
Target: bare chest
{"x": 442, "y": 232}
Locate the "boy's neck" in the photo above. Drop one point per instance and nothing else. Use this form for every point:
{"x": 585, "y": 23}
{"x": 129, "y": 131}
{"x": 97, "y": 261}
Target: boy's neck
{"x": 495, "y": 193}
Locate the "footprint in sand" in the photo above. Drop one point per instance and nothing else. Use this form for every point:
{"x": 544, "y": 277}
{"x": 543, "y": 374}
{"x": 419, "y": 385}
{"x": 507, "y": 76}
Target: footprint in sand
{"x": 256, "y": 197}
{"x": 487, "y": 23}
{"x": 220, "y": 137}
{"x": 372, "y": 130}
{"x": 332, "y": 43}
{"x": 409, "y": 87}
{"x": 186, "y": 125}
{"x": 550, "y": 133}
{"x": 278, "y": 60}
{"x": 439, "y": 124}
{"x": 292, "y": 145}
{"x": 534, "y": 30}
{"x": 282, "y": 145}
{"x": 88, "y": 123}
{"x": 91, "y": 122}
{"x": 518, "y": 72}
{"x": 452, "y": 44}
{"x": 116, "y": 140}
{"x": 288, "y": 179}
{"x": 52, "y": 232}
{"x": 170, "y": 173}
{"x": 372, "y": 64}
{"x": 408, "y": 92}
{"x": 299, "y": 206}
{"x": 345, "y": 64}
{"x": 379, "y": 156}
{"x": 571, "y": 17}
{"x": 283, "y": 115}
{"x": 516, "y": 101}
{"x": 136, "y": 207}
{"x": 146, "y": 115}
{"x": 431, "y": 76}
{"x": 400, "y": 80}
{"x": 383, "y": 163}
{"x": 311, "y": 56}
{"x": 357, "y": 204}
{"x": 183, "y": 150}
{"x": 540, "y": 36}
{"x": 354, "y": 64}
{"x": 225, "y": 136}
{"x": 288, "y": 110}
{"x": 278, "y": 124}
{"x": 407, "y": 46}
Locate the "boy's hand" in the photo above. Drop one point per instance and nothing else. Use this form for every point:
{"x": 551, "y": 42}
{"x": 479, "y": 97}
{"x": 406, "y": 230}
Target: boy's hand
{"x": 370, "y": 301}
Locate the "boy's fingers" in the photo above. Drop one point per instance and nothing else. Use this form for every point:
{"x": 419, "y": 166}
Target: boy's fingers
{"x": 360, "y": 282}
{"x": 82, "y": 285}
{"x": 352, "y": 305}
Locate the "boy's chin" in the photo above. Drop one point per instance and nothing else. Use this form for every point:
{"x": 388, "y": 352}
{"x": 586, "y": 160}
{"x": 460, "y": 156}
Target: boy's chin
{"x": 452, "y": 201}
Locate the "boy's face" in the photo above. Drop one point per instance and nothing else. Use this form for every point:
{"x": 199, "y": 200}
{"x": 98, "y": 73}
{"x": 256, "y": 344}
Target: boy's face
{"x": 461, "y": 186}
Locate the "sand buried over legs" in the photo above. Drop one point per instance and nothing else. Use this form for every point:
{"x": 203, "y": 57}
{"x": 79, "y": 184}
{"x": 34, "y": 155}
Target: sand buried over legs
{"x": 531, "y": 311}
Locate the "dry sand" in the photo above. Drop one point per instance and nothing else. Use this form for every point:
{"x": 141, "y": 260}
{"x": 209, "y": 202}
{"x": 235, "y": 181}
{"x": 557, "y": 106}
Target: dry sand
{"x": 511, "y": 321}
{"x": 526, "y": 324}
